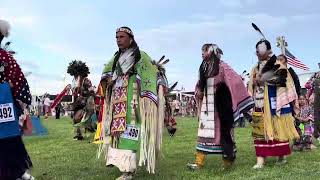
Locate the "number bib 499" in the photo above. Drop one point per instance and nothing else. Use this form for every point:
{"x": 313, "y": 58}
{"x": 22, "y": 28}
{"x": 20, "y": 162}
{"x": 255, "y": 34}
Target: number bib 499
{"x": 131, "y": 132}
{"x": 6, "y": 112}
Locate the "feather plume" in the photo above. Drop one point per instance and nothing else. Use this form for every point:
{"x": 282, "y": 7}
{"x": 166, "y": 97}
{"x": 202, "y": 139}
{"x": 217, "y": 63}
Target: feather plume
{"x": 162, "y": 58}
{"x": 165, "y": 62}
{"x": 172, "y": 87}
{"x": 257, "y": 29}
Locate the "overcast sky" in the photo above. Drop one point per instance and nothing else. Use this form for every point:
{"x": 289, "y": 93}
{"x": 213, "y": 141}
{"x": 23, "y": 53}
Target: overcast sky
{"x": 47, "y": 35}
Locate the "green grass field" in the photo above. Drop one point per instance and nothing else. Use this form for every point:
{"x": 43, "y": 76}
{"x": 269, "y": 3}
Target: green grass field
{"x": 57, "y": 156}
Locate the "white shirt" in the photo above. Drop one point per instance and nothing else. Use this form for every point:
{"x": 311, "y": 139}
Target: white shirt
{"x": 46, "y": 102}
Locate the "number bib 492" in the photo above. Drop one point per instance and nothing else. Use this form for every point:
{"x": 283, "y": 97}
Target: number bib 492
{"x": 131, "y": 132}
{"x": 6, "y": 112}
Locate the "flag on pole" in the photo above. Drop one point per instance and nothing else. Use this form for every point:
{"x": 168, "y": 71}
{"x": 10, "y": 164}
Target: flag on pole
{"x": 295, "y": 62}
{"x": 59, "y": 97}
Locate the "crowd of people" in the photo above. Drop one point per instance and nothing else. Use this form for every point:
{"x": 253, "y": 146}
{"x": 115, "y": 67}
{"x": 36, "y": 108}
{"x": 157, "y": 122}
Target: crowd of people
{"x": 184, "y": 106}
{"x": 42, "y": 107}
{"x": 135, "y": 105}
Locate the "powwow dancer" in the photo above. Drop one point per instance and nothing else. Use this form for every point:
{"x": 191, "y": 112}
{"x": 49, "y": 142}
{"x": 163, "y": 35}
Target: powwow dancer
{"x": 84, "y": 104}
{"x": 304, "y": 119}
{"x": 169, "y": 119}
{"x": 221, "y": 97}
{"x": 283, "y": 59}
{"x": 273, "y": 90}
{"x": 14, "y": 96}
{"x": 134, "y": 107}
{"x": 313, "y": 95}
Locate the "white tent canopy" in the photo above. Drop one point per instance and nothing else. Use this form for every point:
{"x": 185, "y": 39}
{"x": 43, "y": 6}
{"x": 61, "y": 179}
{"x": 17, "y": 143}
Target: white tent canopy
{"x": 304, "y": 77}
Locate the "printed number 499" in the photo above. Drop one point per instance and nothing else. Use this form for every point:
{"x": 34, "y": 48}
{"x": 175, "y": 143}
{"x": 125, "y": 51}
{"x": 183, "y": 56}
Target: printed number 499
{"x": 133, "y": 132}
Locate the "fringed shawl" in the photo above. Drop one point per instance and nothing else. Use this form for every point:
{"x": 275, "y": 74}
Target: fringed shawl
{"x": 241, "y": 100}
{"x": 285, "y": 95}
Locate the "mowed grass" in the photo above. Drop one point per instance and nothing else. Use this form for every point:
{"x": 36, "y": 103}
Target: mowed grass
{"x": 57, "y": 156}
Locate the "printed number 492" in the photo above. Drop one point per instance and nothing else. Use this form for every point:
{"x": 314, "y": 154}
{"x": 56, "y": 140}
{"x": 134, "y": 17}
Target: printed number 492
{"x": 5, "y": 113}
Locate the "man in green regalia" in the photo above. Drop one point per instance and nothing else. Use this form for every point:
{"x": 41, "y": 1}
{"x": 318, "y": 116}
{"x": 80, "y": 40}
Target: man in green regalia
{"x": 133, "y": 112}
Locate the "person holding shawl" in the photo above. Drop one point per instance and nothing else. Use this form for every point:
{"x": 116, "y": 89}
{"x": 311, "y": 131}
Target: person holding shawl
{"x": 273, "y": 90}
{"x": 221, "y": 98}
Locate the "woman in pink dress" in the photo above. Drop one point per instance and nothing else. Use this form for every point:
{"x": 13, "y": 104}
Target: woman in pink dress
{"x": 221, "y": 98}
